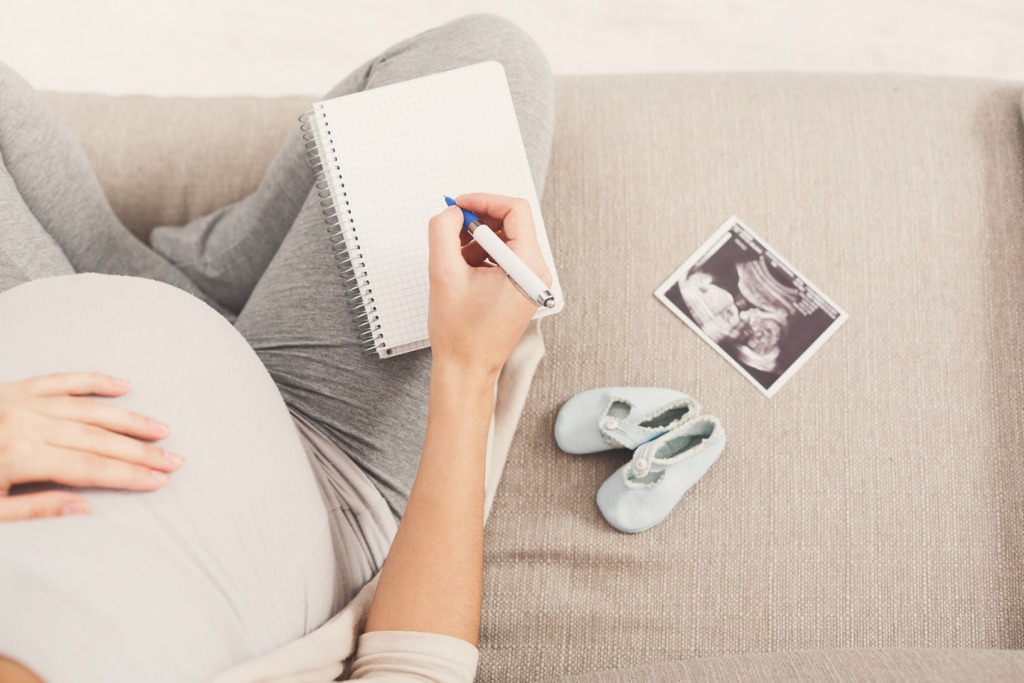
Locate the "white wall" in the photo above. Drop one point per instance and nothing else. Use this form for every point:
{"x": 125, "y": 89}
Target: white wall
{"x": 274, "y": 47}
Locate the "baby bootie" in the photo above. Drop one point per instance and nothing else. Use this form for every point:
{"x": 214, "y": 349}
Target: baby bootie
{"x": 620, "y": 417}
{"x": 642, "y": 493}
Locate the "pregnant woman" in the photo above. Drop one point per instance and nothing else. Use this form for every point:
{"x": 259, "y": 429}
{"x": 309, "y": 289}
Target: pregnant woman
{"x": 198, "y": 462}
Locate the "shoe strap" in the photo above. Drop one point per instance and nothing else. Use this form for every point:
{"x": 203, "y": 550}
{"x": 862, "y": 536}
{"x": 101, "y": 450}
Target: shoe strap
{"x": 646, "y": 461}
{"x": 643, "y": 461}
{"x": 622, "y": 433}
{"x": 626, "y": 432}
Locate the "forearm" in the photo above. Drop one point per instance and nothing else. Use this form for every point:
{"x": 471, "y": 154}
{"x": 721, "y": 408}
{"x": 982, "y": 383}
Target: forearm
{"x": 433, "y": 576}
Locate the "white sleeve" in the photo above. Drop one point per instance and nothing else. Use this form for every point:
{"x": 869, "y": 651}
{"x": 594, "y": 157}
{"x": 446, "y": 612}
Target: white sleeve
{"x": 414, "y": 656}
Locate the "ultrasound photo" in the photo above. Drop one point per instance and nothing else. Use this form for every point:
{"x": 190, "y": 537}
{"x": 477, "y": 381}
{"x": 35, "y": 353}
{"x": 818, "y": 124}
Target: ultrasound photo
{"x": 748, "y": 303}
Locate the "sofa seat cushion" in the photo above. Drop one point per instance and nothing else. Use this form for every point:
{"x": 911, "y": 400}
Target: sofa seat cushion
{"x": 875, "y": 500}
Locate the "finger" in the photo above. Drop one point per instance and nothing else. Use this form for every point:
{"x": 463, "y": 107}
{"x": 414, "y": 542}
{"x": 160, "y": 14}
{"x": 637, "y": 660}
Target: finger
{"x": 493, "y": 223}
{"x": 513, "y": 214}
{"x": 77, "y": 468}
{"x": 445, "y": 247}
{"x": 76, "y": 384}
{"x": 496, "y": 206}
{"x": 97, "y": 440}
{"x": 104, "y": 415}
{"x": 44, "y": 504}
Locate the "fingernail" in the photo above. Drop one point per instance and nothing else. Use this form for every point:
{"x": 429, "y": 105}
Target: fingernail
{"x": 159, "y": 477}
{"x": 121, "y": 383}
{"x": 75, "y": 508}
{"x": 158, "y": 426}
{"x": 174, "y": 458}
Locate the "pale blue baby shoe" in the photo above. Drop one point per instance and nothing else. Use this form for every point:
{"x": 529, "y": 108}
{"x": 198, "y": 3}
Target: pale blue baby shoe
{"x": 620, "y": 417}
{"x": 642, "y": 493}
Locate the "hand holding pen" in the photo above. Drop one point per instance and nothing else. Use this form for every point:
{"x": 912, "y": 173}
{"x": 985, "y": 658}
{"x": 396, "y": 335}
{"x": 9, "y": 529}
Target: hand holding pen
{"x": 476, "y": 316}
{"x": 522, "y": 276}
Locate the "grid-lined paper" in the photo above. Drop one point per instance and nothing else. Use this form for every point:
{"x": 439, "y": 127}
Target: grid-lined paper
{"x": 399, "y": 149}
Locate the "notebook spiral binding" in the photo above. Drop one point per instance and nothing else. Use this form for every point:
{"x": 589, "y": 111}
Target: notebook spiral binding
{"x": 343, "y": 233}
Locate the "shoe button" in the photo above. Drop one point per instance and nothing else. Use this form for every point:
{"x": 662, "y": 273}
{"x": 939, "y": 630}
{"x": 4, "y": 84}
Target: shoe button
{"x": 641, "y": 464}
{"x": 611, "y": 423}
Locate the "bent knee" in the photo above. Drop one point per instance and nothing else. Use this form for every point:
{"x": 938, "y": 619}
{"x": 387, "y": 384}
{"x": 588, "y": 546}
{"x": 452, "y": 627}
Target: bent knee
{"x": 11, "y": 79}
{"x": 493, "y": 37}
{"x": 489, "y": 25}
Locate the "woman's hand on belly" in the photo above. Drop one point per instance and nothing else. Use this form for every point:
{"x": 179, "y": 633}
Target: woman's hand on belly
{"x": 51, "y": 432}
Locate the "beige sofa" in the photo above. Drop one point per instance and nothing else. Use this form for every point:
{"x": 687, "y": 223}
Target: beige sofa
{"x": 867, "y": 523}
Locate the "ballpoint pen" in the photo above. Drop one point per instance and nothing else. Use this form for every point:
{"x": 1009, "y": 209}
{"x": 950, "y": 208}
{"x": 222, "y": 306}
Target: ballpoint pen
{"x": 524, "y": 279}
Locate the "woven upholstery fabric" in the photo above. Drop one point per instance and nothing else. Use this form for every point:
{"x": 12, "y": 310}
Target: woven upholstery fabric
{"x": 162, "y": 161}
{"x": 918, "y": 665}
{"x": 874, "y": 502}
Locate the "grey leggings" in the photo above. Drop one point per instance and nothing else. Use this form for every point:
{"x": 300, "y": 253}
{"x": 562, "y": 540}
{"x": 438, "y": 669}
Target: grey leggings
{"x": 263, "y": 262}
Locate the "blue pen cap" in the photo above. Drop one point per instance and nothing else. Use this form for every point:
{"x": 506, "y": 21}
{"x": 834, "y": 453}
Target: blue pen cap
{"x": 467, "y": 216}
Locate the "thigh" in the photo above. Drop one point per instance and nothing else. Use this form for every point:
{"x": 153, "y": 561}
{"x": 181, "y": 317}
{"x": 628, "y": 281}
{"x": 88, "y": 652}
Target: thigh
{"x": 27, "y": 252}
{"x": 297, "y": 319}
{"x": 232, "y": 559}
{"x": 298, "y": 324}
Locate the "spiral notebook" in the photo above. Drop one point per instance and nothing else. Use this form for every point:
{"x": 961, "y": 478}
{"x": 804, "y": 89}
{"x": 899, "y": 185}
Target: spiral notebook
{"x": 385, "y": 158}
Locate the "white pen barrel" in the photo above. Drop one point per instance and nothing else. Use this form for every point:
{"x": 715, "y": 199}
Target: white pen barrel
{"x": 510, "y": 262}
